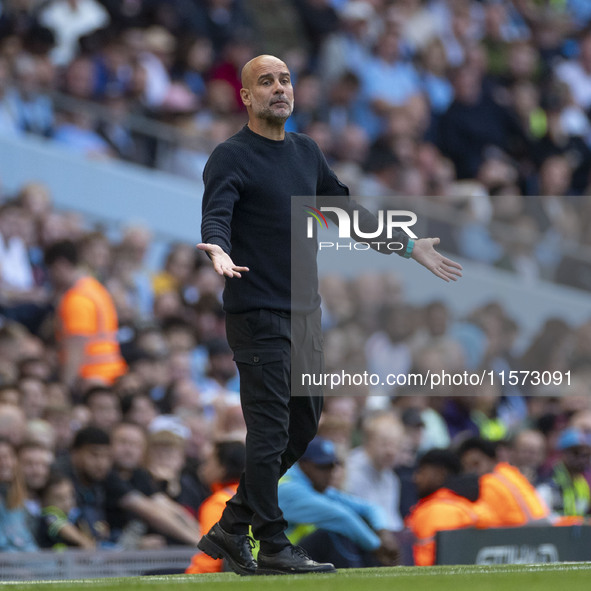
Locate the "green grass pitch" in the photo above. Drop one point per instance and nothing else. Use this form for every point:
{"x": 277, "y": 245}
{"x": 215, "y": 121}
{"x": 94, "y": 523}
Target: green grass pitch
{"x": 548, "y": 577}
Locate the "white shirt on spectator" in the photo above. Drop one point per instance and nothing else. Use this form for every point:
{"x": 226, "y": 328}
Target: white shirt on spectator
{"x": 69, "y": 21}
{"x": 435, "y": 433}
{"x": 385, "y": 357}
{"x": 15, "y": 266}
{"x": 578, "y": 80}
{"x": 157, "y": 80}
{"x": 379, "y": 487}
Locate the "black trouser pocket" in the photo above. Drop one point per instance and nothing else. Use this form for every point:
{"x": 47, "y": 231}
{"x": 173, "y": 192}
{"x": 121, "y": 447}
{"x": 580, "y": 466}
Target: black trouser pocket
{"x": 264, "y": 374}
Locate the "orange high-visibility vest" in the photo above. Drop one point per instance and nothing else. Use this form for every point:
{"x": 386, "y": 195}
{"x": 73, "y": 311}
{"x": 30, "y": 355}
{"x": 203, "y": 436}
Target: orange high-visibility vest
{"x": 87, "y": 310}
{"x": 511, "y": 498}
{"x": 209, "y": 514}
{"x": 440, "y": 511}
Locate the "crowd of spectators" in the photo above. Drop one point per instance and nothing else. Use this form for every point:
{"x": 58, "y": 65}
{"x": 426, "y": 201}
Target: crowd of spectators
{"x": 476, "y": 109}
{"x": 478, "y": 106}
{"x": 129, "y": 465}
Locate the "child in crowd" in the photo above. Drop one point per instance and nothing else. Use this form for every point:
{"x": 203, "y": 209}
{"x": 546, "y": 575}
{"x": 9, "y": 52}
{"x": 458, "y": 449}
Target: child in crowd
{"x": 59, "y": 526}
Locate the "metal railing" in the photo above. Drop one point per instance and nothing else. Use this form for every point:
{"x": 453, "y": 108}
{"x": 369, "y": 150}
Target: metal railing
{"x": 90, "y": 564}
{"x": 160, "y": 137}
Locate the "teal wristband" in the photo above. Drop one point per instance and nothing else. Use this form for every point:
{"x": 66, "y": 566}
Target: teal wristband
{"x": 408, "y": 252}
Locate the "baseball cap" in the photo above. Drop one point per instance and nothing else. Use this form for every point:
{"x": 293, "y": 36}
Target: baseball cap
{"x": 169, "y": 424}
{"x": 321, "y": 452}
{"x": 572, "y": 438}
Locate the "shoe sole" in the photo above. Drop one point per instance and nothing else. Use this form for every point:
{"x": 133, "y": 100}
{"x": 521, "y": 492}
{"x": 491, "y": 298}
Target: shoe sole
{"x": 212, "y": 549}
{"x": 272, "y": 571}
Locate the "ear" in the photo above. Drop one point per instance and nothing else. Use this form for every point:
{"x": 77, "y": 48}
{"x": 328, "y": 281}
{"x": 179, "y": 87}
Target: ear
{"x": 245, "y": 96}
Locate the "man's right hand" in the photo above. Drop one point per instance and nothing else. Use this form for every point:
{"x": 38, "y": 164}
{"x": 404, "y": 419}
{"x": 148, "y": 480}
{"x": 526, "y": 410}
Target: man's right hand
{"x": 222, "y": 263}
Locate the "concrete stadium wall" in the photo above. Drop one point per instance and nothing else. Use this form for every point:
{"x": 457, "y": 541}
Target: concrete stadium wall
{"x": 113, "y": 191}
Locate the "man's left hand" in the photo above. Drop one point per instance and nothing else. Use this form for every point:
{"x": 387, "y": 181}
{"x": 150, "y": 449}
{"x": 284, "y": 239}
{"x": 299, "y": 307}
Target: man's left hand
{"x": 424, "y": 253}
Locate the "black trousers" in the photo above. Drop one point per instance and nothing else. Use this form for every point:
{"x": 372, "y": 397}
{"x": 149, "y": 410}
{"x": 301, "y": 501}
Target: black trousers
{"x": 281, "y": 419}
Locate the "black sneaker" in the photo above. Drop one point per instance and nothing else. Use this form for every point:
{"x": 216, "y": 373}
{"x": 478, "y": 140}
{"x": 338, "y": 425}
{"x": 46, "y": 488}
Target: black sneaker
{"x": 236, "y": 550}
{"x": 292, "y": 560}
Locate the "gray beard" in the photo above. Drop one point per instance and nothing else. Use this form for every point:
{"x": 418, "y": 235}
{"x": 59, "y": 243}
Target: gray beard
{"x": 273, "y": 117}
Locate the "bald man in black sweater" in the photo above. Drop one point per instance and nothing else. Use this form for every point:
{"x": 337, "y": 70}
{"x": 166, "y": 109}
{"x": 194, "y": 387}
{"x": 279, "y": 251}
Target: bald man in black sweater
{"x": 247, "y": 217}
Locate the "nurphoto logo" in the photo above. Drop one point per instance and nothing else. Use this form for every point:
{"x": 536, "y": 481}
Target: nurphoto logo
{"x": 388, "y": 221}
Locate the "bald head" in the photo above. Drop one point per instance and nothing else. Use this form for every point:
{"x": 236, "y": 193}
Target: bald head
{"x": 258, "y": 65}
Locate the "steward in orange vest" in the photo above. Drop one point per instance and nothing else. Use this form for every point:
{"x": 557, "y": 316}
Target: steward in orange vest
{"x": 504, "y": 490}
{"x": 439, "y": 507}
{"x": 222, "y": 469}
{"x": 87, "y": 321}
{"x": 209, "y": 514}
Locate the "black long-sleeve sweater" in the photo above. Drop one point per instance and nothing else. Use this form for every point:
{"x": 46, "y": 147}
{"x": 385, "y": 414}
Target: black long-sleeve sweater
{"x": 248, "y": 212}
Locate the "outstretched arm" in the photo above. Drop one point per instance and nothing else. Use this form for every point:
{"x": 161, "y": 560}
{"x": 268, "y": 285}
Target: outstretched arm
{"x": 222, "y": 263}
{"x": 76, "y": 537}
{"x": 424, "y": 253}
{"x": 150, "y": 511}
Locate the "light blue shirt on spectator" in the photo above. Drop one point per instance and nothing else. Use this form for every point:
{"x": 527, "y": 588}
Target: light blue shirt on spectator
{"x": 33, "y": 114}
{"x": 83, "y": 141}
{"x": 331, "y": 510}
{"x": 394, "y": 83}
{"x": 14, "y": 533}
{"x": 439, "y": 91}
